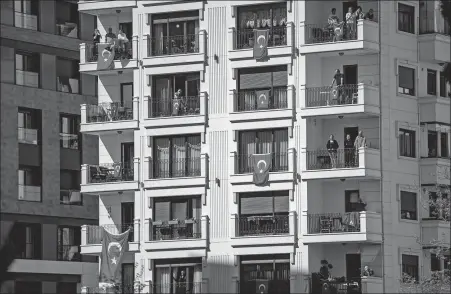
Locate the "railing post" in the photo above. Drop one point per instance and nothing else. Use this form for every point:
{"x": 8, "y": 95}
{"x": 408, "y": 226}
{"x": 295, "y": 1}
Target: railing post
{"x": 302, "y": 34}
{"x": 146, "y": 108}
{"x": 361, "y": 94}
{"x": 361, "y": 157}
{"x": 204, "y": 165}
{"x": 84, "y": 234}
{"x": 136, "y": 169}
{"x": 233, "y": 225}
{"x": 147, "y": 226}
{"x": 232, "y": 163}
{"x": 147, "y": 170}
{"x": 202, "y": 42}
{"x": 83, "y": 53}
{"x": 290, "y": 34}
{"x": 135, "y": 47}
{"x": 290, "y": 97}
{"x": 233, "y": 101}
{"x": 136, "y": 230}
{"x": 203, "y": 103}
{"x": 135, "y": 108}
{"x": 359, "y": 30}
{"x": 83, "y": 112}
{"x": 303, "y": 160}
{"x": 84, "y": 174}
{"x": 292, "y": 223}
{"x": 231, "y": 38}
{"x": 204, "y": 227}
{"x": 363, "y": 219}
{"x": 304, "y": 222}
{"x": 291, "y": 159}
{"x": 302, "y": 97}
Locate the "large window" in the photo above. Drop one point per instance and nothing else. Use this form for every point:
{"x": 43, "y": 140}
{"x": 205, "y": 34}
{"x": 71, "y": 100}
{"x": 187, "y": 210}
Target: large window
{"x": 407, "y": 143}
{"x": 28, "y": 66}
{"x": 406, "y": 18}
{"x": 26, "y": 14}
{"x": 69, "y": 131}
{"x": 67, "y": 75}
{"x": 70, "y": 187}
{"x": 67, "y": 19}
{"x": 444, "y": 145}
{"x": 432, "y": 82}
{"x": 178, "y": 276}
{"x": 432, "y": 143}
{"x": 29, "y": 180}
{"x": 28, "y": 125}
{"x": 27, "y": 241}
{"x": 177, "y": 156}
{"x": 410, "y": 265}
{"x": 444, "y": 86}
{"x": 69, "y": 240}
{"x": 406, "y": 80}
{"x": 408, "y": 205}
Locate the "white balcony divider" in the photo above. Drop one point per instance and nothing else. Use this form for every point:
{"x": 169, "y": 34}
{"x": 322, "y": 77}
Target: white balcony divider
{"x": 29, "y": 193}
{"x": 27, "y": 136}
{"x": 26, "y": 21}
{"x": 27, "y": 78}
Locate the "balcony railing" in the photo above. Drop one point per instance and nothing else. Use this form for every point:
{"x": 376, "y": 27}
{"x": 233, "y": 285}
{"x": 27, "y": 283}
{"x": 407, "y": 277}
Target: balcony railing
{"x": 92, "y": 52}
{"x": 341, "y": 158}
{"x": 176, "y": 287}
{"x": 27, "y": 136}
{"x": 29, "y": 193}
{"x": 71, "y": 197}
{"x": 333, "y": 223}
{"x": 432, "y": 25}
{"x": 334, "y": 284}
{"x": 173, "y": 45}
{"x": 67, "y": 29}
{"x": 277, "y": 37}
{"x": 27, "y": 78}
{"x": 279, "y": 163}
{"x": 263, "y": 225}
{"x": 26, "y": 21}
{"x": 277, "y": 282}
{"x": 95, "y": 233}
{"x": 175, "y": 168}
{"x": 107, "y": 112}
{"x": 177, "y": 229}
{"x": 331, "y": 96}
{"x": 187, "y": 105}
{"x": 67, "y": 85}
{"x": 119, "y": 289}
{"x": 69, "y": 141}
{"x": 69, "y": 252}
{"x": 248, "y": 100}
{"x": 111, "y": 172}
{"x": 323, "y": 33}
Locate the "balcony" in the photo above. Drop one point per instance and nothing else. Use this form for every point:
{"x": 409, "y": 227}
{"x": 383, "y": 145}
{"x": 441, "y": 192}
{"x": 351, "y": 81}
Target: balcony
{"x": 68, "y": 85}
{"x": 25, "y": 21}
{"x": 434, "y": 40}
{"x": 69, "y": 253}
{"x": 435, "y": 230}
{"x": 27, "y": 78}
{"x": 246, "y": 108}
{"x": 189, "y": 287}
{"x": 70, "y": 197}
{"x": 280, "y": 46}
{"x": 109, "y": 177}
{"x": 163, "y": 114}
{"x": 434, "y": 109}
{"x": 27, "y": 136}
{"x": 356, "y": 100}
{"x": 91, "y": 237}
{"x": 435, "y": 171}
{"x": 176, "y": 51}
{"x": 124, "y": 58}
{"x": 176, "y": 238}
{"x": 29, "y": 193}
{"x": 96, "y": 7}
{"x": 343, "y": 227}
{"x": 109, "y": 117}
{"x": 67, "y": 29}
{"x": 345, "y": 163}
{"x": 323, "y": 39}
{"x": 69, "y": 141}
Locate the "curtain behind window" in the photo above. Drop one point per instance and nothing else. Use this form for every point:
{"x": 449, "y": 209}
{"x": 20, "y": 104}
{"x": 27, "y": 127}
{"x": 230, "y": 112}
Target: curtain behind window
{"x": 194, "y": 150}
{"x": 164, "y": 280}
{"x": 161, "y": 164}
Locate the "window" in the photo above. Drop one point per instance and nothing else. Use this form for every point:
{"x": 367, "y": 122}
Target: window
{"x": 69, "y": 241}
{"x": 174, "y": 275}
{"x": 28, "y": 66}
{"x": 408, "y": 205}
{"x": 177, "y": 157}
{"x": 128, "y": 278}
{"x": 69, "y": 131}
{"x": 444, "y": 145}
{"x": 28, "y": 125}
{"x": 432, "y": 143}
{"x": 353, "y": 202}
{"x": 67, "y": 75}
{"x": 406, "y": 18}
{"x": 70, "y": 187}
{"x": 26, "y": 14}
{"x": 410, "y": 265}
{"x": 67, "y": 19}
{"x": 444, "y": 86}
{"x": 435, "y": 263}
{"x": 29, "y": 179}
{"x": 27, "y": 241}
{"x": 432, "y": 82}
{"x": 406, "y": 80}
{"x": 28, "y": 287}
{"x": 407, "y": 143}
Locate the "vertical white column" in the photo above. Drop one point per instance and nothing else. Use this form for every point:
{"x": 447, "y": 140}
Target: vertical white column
{"x": 83, "y": 113}
{"x": 84, "y": 174}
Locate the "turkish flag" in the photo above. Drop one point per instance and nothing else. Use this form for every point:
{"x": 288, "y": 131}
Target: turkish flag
{"x": 260, "y": 44}
{"x": 113, "y": 251}
{"x": 105, "y": 60}
{"x": 262, "y": 164}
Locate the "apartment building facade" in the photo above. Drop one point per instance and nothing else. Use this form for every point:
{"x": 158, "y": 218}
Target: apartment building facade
{"x": 181, "y": 114}
{"x": 41, "y": 146}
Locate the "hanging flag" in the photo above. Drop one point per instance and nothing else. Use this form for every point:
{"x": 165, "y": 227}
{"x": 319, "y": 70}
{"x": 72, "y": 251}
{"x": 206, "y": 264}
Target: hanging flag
{"x": 261, "y": 286}
{"x": 262, "y": 164}
{"x": 262, "y": 99}
{"x": 113, "y": 251}
{"x": 175, "y": 106}
{"x": 260, "y": 44}
{"x": 105, "y": 60}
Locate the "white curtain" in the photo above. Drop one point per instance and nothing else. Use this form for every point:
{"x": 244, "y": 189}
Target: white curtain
{"x": 194, "y": 147}
{"x": 247, "y": 148}
{"x": 163, "y": 96}
{"x": 164, "y": 280}
{"x": 161, "y": 165}
{"x": 178, "y": 156}
{"x": 250, "y": 100}
{"x": 159, "y": 39}
{"x": 280, "y": 98}
{"x": 197, "y": 287}
{"x": 281, "y": 149}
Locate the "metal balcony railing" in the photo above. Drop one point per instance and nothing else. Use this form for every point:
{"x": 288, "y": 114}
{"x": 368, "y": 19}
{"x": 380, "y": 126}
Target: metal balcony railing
{"x": 186, "y": 105}
{"x": 175, "y": 168}
{"x": 276, "y": 282}
{"x": 69, "y": 252}
{"x": 29, "y": 193}
{"x": 95, "y": 233}
{"x": 323, "y": 33}
{"x": 277, "y": 37}
{"x": 177, "y": 229}
{"x": 333, "y": 223}
{"x": 118, "y": 289}
{"x": 27, "y": 136}
{"x": 263, "y": 225}
{"x": 111, "y": 172}
{"x": 176, "y": 287}
{"x": 173, "y": 45}
{"x": 341, "y": 158}
{"x": 69, "y": 141}
{"x": 248, "y": 100}
{"x": 107, "y": 112}
{"x": 319, "y": 284}
{"x": 71, "y": 197}
{"x": 279, "y": 162}
{"x": 331, "y": 96}
{"x": 125, "y": 52}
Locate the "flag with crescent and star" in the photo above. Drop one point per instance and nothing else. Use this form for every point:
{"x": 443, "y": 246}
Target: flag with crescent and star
{"x": 260, "y": 44}
{"x": 175, "y": 106}
{"x": 262, "y": 99}
{"x": 262, "y": 165}
{"x": 261, "y": 286}
{"x": 105, "y": 60}
{"x": 113, "y": 251}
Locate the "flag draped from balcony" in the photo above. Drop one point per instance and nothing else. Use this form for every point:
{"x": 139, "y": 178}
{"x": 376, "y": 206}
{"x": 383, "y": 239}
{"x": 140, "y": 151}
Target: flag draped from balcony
{"x": 260, "y": 44}
{"x": 113, "y": 250}
{"x": 261, "y": 286}
{"x": 175, "y": 106}
{"x": 105, "y": 60}
{"x": 262, "y": 165}
{"x": 262, "y": 99}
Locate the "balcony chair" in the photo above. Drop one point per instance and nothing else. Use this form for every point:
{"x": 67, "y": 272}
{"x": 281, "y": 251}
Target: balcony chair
{"x": 98, "y": 174}
{"x": 117, "y": 172}
{"x": 325, "y": 225}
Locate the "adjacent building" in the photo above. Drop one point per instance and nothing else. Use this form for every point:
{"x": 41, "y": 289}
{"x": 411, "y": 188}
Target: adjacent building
{"x": 184, "y": 105}
{"x": 41, "y": 147}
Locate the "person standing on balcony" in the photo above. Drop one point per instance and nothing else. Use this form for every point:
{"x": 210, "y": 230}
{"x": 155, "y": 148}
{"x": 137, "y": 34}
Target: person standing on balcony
{"x": 122, "y": 43}
{"x": 337, "y": 80}
{"x": 332, "y": 147}
{"x": 334, "y": 25}
{"x": 96, "y": 40}
{"x": 359, "y": 13}
{"x": 360, "y": 142}
{"x": 369, "y": 15}
{"x": 110, "y": 36}
{"x": 350, "y": 23}
{"x": 349, "y": 151}
{"x": 180, "y": 287}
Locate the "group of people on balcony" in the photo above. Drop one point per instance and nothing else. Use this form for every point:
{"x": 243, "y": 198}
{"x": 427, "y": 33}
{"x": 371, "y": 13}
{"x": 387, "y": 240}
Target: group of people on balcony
{"x": 346, "y": 29}
{"x": 119, "y": 43}
{"x": 351, "y": 150}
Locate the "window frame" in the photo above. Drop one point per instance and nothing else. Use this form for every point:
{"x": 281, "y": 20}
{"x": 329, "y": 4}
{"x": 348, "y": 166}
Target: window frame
{"x": 404, "y": 266}
{"x": 36, "y": 233}
{"x": 59, "y": 241}
{"x": 272, "y": 194}
{"x": 410, "y": 192}
{"x": 410, "y": 92}
{"x": 402, "y": 15}
{"x": 402, "y": 132}
{"x": 79, "y": 16}
{"x": 431, "y": 82}
{"x": 29, "y": 54}
{"x": 76, "y": 76}
{"x": 74, "y": 122}
{"x": 38, "y": 14}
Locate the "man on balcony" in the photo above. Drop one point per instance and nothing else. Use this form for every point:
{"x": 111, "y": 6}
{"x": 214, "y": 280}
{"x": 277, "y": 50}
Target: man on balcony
{"x": 337, "y": 80}
{"x": 349, "y": 151}
{"x": 360, "y": 141}
{"x": 332, "y": 147}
